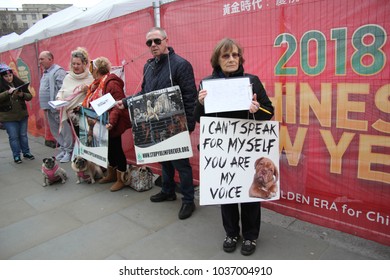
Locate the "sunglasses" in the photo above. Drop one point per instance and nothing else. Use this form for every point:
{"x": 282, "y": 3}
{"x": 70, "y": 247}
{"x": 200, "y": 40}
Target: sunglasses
{"x": 91, "y": 67}
{"x": 156, "y": 41}
{"x": 226, "y": 56}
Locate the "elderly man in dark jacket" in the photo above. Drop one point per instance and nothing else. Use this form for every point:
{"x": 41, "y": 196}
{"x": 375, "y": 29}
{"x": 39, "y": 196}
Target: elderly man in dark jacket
{"x": 167, "y": 69}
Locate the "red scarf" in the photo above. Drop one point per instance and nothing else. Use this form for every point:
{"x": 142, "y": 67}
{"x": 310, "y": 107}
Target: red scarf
{"x": 95, "y": 90}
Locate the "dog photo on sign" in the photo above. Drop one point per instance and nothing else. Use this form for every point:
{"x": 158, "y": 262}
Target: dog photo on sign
{"x": 265, "y": 179}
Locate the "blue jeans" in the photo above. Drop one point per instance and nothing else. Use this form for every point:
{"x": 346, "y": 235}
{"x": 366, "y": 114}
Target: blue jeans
{"x": 17, "y": 135}
{"x": 184, "y": 168}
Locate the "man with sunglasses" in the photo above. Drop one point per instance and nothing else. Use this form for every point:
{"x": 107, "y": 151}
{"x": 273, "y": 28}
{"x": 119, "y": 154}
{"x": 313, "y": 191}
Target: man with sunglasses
{"x": 167, "y": 69}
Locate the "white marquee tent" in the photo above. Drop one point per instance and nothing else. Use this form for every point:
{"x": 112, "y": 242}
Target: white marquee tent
{"x": 8, "y": 38}
{"x": 73, "y": 18}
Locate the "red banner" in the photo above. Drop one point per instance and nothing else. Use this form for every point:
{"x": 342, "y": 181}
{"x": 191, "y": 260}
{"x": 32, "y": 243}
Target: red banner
{"x": 324, "y": 65}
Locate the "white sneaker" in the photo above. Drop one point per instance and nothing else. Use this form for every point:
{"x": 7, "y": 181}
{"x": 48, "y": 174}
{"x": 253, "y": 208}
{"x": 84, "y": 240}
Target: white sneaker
{"x": 66, "y": 157}
{"x": 60, "y": 155}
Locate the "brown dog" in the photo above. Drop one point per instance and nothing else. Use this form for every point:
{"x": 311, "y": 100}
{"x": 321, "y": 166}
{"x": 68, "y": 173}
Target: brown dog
{"x": 52, "y": 172}
{"x": 264, "y": 182}
{"x": 86, "y": 170}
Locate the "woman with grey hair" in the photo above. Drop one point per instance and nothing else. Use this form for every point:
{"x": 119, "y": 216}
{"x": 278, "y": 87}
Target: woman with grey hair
{"x": 227, "y": 62}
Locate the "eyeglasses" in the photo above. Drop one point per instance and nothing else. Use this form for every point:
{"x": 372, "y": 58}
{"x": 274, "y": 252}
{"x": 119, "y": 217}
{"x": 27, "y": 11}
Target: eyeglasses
{"x": 226, "y": 56}
{"x": 157, "y": 41}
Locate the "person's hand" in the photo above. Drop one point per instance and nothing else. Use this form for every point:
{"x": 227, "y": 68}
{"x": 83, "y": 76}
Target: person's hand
{"x": 11, "y": 90}
{"x": 109, "y": 126}
{"x": 201, "y": 96}
{"x": 84, "y": 88}
{"x": 119, "y": 104}
{"x": 91, "y": 122}
{"x": 254, "y": 105}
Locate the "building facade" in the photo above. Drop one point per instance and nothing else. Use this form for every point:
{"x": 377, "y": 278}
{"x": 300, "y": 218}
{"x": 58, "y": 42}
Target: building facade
{"x": 19, "y": 20}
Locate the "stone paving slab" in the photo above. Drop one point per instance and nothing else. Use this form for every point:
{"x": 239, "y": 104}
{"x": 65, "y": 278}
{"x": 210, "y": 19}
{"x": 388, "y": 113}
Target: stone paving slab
{"x": 87, "y": 221}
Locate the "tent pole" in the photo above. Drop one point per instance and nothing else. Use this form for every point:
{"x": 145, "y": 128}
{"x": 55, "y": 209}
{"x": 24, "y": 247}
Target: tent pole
{"x": 156, "y": 8}
{"x": 37, "y": 58}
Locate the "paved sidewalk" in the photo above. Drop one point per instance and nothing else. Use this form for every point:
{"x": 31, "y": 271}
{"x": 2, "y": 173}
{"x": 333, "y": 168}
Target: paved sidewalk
{"x": 77, "y": 222}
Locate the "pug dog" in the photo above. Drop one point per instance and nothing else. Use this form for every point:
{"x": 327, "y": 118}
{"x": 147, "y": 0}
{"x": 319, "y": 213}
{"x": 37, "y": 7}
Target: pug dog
{"x": 86, "y": 171}
{"x": 264, "y": 181}
{"x": 52, "y": 172}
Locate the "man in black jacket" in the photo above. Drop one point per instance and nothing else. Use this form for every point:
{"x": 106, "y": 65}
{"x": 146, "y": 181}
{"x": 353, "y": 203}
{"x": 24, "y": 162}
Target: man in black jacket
{"x": 167, "y": 69}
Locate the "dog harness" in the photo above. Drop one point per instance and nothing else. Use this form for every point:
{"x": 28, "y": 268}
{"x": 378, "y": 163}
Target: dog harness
{"x": 50, "y": 173}
{"x": 83, "y": 175}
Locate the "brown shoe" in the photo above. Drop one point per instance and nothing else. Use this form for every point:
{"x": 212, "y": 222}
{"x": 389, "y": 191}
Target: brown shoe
{"x": 119, "y": 184}
{"x": 110, "y": 177}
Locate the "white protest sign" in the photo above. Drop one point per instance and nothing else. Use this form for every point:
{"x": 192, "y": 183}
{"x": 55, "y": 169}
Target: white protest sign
{"x": 224, "y": 95}
{"x": 56, "y": 104}
{"x": 159, "y": 129}
{"x": 239, "y": 161}
{"x": 92, "y": 143}
{"x": 103, "y": 104}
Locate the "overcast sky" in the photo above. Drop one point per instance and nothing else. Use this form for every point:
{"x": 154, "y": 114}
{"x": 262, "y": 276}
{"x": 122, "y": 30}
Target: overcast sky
{"x": 18, "y": 3}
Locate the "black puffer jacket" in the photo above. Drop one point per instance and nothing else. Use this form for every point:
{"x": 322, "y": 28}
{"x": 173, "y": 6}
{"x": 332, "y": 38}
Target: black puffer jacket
{"x": 257, "y": 87}
{"x": 157, "y": 76}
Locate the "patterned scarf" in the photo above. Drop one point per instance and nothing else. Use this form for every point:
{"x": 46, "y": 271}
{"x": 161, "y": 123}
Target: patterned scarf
{"x": 95, "y": 90}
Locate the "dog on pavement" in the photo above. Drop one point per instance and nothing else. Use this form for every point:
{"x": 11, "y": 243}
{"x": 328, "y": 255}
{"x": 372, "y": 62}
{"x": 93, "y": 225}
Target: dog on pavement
{"x": 264, "y": 181}
{"x": 52, "y": 172}
{"x": 86, "y": 171}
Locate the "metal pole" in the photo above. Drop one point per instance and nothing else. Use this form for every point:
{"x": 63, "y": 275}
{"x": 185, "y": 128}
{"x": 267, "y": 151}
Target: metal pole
{"x": 156, "y": 9}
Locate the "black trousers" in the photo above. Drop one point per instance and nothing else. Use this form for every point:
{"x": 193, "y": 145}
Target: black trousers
{"x": 116, "y": 156}
{"x": 250, "y": 219}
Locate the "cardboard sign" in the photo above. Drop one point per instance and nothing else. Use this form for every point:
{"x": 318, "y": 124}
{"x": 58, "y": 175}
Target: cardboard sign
{"x": 93, "y": 141}
{"x": 103, "y": 104}
{"x": 159, "y": 126}
{"x": 239, "y": 161}
{"x": 56, "y": 104}
{"x": 225, "y": 95}
{"x": 23, "y": 88}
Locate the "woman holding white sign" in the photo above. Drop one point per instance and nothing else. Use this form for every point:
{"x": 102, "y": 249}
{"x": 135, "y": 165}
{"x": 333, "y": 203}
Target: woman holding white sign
{"x": 227, "y": 62}
{"x": 119, "y": 120}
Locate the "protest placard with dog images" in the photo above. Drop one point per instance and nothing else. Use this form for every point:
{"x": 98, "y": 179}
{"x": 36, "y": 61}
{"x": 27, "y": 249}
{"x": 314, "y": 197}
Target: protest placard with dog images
{"x": 92, "y": 144}
{"x": 159, "y": 126}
